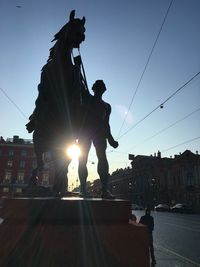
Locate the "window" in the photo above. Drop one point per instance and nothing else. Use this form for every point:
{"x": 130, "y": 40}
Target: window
{"x": 10, "y": 163}
{"x": 22, "y": 164}
{"x": 20, "y": 178}
{"x": 6, "y": 189}
{"x": 130, "y": 185}
{"x": 45, "y": 179}
{"x": 23, "y": 153}
{"x": 7, "y": 177}
{"x": 18, "y": 190}
{"x": 11, "y": 152}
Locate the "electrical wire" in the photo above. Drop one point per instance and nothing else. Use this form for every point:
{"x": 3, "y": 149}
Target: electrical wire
{"x": 166, "y": 128}
{"x": 119, "y": 152}
{"x": 186, "y": 142}
{"x": 17, "y": 107}
{"x": 161, "y": 105}
{"x": 146, "y": 65}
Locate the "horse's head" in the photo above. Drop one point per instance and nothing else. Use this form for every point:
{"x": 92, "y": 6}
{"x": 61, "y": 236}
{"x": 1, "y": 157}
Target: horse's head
{"x": 73, "y": 33}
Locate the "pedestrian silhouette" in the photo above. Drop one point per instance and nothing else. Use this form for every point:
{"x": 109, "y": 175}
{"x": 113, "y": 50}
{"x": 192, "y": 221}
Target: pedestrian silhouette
{"x": 133, "y": 218}
{"x": 148, "y": 220}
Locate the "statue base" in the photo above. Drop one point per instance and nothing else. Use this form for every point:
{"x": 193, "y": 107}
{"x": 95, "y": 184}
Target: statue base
{"x": 37, "y": 191}
{"x": 71, "y": 232}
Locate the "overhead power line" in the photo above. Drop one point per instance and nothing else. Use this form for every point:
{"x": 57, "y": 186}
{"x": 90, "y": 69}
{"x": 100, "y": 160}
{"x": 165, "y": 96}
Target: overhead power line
{"x": 186, "y": 142}
{"x": 161, "y": 105}
{"x": 17, "y": 107}
{"x": 145, "y": 67}
{"x": 118, "y": 152}
{"x": 168, "y": 127}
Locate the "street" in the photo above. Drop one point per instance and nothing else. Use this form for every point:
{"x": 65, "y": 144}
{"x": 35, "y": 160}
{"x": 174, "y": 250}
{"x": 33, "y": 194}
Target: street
{"x": 176, "y": 238}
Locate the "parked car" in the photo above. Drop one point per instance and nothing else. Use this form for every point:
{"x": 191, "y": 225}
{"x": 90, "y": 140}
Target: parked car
{"x": 162, "y": 207}
{"x": 182, "y": 208}
{"x": 137, "y": 207}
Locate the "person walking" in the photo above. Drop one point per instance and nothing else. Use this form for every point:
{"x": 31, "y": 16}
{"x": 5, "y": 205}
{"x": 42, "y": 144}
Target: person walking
{"x": 148, "y": 220}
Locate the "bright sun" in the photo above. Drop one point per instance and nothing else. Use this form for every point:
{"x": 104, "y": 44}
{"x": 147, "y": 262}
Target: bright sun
{"x": 73, "y": 151}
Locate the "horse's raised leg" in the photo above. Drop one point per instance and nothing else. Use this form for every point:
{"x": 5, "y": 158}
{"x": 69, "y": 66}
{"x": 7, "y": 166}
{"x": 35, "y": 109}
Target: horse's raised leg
{"x": 61, "y": 163}
{"x": 40, "y": 164}
{"x": 34, "y": 177}
{"x": 40, "y": 161}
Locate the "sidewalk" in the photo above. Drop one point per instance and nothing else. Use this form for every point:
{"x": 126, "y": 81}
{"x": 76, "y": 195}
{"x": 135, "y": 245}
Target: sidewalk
{"x": 167, "y": 258}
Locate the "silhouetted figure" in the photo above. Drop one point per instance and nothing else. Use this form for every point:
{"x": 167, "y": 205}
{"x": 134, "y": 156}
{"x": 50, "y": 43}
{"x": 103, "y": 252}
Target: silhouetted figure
{"x": 95, "y": 129}
{"x": 148, "y": 220}
{"x": 54, "y": 121}
{"x": 133, "y": 218}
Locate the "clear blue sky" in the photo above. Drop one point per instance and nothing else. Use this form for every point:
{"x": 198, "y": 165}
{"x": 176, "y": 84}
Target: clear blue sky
{"x": 119, "y": 39}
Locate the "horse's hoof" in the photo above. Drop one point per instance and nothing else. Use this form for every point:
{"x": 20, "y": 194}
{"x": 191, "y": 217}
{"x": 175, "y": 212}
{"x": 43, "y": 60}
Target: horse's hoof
{"x": 57, "y": 194}
{"x": 85, "y": 195}
{"x": 107, "y": 195}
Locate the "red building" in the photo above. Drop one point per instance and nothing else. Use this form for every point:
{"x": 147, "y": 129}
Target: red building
{"x": 17, "y": 160}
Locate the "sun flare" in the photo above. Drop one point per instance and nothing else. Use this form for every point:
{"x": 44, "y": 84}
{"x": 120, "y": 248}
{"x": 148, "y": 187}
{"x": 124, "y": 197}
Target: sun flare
{"x": 73, "y": 151}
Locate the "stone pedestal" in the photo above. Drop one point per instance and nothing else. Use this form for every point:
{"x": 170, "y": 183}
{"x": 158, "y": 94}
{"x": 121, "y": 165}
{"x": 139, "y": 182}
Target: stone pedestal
{"x": 70, "y": 232}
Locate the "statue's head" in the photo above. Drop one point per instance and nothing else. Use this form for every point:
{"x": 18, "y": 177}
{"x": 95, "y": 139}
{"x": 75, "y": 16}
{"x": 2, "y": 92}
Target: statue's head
{"x": 99, "y": 86}
{"x": 73, "y": 32}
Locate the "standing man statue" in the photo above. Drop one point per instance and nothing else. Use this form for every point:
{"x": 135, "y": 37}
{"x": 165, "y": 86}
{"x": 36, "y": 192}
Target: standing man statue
{"x": 95, "y": 129}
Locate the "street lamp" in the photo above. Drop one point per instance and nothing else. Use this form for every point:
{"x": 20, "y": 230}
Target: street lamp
{"x": 154, "y": 188}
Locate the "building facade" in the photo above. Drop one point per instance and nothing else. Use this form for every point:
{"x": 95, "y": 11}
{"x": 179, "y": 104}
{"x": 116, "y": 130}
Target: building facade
{"x": 121, "y": 183}
{"x": 17, "y": 160}
{"x": 153, "y": 180}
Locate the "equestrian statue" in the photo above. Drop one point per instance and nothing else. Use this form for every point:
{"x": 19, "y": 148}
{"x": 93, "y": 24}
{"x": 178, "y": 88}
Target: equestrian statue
{"x": 55, "y": 121}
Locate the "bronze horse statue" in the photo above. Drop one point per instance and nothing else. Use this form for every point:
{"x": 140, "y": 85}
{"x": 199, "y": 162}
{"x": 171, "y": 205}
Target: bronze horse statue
{"x": 55, "y": 119}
